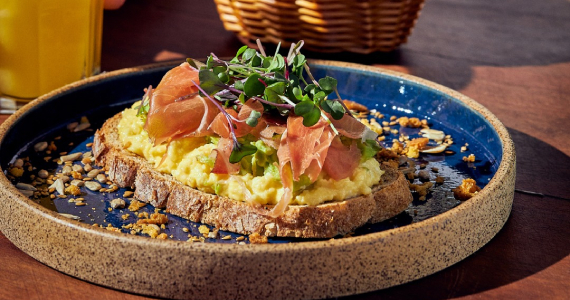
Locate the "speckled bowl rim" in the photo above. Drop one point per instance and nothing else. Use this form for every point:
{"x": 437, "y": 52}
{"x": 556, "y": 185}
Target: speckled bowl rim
{"x": 504, "y": 173}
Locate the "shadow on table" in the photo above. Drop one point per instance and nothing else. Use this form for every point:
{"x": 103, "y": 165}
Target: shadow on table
{"x": 533, "y": 239}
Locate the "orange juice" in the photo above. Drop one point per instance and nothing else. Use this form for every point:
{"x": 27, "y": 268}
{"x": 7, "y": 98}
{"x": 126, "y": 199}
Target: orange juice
{"x": 45, "y": 44}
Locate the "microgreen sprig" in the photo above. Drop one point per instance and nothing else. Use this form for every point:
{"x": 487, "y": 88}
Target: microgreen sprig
{"x": 275, "y": 81}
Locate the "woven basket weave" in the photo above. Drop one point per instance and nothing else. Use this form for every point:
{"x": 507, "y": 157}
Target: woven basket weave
{"x": 361, "y": 26}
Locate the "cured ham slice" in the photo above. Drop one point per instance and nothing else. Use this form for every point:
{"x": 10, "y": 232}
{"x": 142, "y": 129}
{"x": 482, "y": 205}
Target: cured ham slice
{"x": 221, "y": 127}
{"x": 341, "y": 160}
{"x": 305, "y": 145}
{"x": 175, "y": 108}
{"x": 267, "y": 135}
{"x": 222, "y": 163}
{"x": 349, "y": 126}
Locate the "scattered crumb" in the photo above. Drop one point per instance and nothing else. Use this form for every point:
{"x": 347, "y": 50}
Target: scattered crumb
{"x": 466, "y": 190}
{"x": 136, "y": 205}
{"x": 155, "y": 218}
{"x": 256, "y": 238}
{"x": 204, "y": 230}
{"x": 422, "y": 189}
{"x": 73, "y": 190}
{"x": 439, "y": 180}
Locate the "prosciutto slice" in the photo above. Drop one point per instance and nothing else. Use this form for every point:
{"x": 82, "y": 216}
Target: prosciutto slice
{"x": 175, "y": 108}
{"x": 222, "y": 163}
{"x": 266, "y": 135}
{"x": 341, "y": 160}
{"x": 349, "y": 126}
{"x": 305, "y": 147}
{"x": 221, "y": 127}
{"x": 302, "y": 151}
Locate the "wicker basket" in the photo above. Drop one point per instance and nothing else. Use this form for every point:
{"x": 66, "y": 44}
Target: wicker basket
{"x": 361, "y": 26}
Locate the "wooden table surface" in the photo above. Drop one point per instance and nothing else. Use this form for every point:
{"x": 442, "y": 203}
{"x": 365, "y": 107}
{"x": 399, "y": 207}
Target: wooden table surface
{"x": 511, "y": 56}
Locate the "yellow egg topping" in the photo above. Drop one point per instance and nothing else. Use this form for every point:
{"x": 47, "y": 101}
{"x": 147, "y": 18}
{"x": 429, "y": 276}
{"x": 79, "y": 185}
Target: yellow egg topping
{"x": 188, "y": 160}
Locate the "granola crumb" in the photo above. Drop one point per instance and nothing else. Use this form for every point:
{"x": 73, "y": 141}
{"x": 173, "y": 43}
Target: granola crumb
{"x": 136, "y": 205}
{"x": 467, "y": 189}
{"x": 204, "y": 230}
{"x": 256, "y": 238}
{"x": 470, "y": 158}
{"x": 73, "y": 190}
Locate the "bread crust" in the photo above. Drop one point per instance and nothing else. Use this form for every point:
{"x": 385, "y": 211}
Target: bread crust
{"x": 389, "y": 198}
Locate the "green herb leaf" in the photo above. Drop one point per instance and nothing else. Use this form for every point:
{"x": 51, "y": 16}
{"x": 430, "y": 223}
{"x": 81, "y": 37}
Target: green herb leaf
{"x": 309, "y": 111}
{"x": 248, "y": 54}
{"x": 253, "y": 118}
{"x": 241, "y": 151}
{"x": 267, "y": 61}
{"x": 252, "y": 86}
{"x": 299, "y": 61}
{"x": 256, "y": 61}
{"x": 277, "y": 63}
{"x": 192, "y": 63}
{"x": 241, "y": 98}
{"x": 319, "y": 96}
{"x": 280, "y": 77}
{"x": 328, "y": 84}
{"x": 241, "y": 50}
{"x": 334, "y": 108}
{"x": 273, "y": 91}
{"x": 368, "y": 148}
{"x": 219, "y": 69}
{"x": 209, "y": 82}
{"x": 298, "y": 93}
{"x": 210, "y": 62}
{"x": 224, "y": 77}
{"x": 238, "y": 85}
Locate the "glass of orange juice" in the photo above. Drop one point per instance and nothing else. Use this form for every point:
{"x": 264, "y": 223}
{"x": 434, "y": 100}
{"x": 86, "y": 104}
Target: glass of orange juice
{"x": 45, "y": 44}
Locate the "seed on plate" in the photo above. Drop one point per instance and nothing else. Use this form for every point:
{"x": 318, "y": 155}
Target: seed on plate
{"x": 77, "y": 182}
{"x": 41, "y": 146}
{"x": 92, "y": 185}
{"x": 72, "y": 125}
{"x": 71, "y": 157}
{"x": 117, "y": 203}
{"x": 81, "y": 126}
{"x": 70, "y": 216}
{"x": 27, "y": 193}
{"x": 102, "y": 178}
{"x": 77, "y": 168}
{"x": 43, "y": 174}
{"x": 93, "y": 173}
{"x": 25, "y": 186}
{"x": 19, "y": 163}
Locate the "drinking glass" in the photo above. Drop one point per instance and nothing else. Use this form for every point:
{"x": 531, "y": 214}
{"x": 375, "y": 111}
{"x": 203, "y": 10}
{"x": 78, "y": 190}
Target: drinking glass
{"x": 45, "y": 44}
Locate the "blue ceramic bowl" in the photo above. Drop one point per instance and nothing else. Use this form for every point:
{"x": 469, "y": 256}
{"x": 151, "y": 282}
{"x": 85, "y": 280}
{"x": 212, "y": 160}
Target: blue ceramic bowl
{"x": 428, "y": 236}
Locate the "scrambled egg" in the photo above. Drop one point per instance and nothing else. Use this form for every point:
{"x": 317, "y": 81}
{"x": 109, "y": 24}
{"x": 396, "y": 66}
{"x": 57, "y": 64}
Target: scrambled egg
{"x": 188, "y": 160}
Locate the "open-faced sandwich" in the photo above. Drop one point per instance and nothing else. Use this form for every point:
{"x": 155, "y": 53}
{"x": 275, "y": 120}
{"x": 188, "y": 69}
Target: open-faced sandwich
{"x": 251, "y": 145}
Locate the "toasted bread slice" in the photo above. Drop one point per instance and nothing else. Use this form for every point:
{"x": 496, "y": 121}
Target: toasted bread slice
{"x": 127, "y": 169}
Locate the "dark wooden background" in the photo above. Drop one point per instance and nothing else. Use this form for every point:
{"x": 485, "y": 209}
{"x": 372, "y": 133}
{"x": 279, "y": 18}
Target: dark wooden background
{"x": 511, "y": 56}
